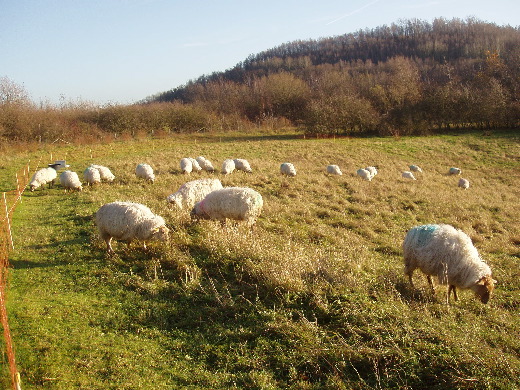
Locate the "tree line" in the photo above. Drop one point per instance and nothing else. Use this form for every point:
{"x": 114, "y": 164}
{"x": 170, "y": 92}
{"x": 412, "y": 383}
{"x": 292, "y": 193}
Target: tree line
{"x": 412, "y": 77}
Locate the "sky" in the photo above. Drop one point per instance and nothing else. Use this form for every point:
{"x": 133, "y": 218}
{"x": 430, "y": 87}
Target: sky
{"x": 122, "y": 51}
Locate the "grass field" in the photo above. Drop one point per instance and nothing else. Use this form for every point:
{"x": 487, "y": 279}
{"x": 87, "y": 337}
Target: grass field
{"x": 314, "y": 298}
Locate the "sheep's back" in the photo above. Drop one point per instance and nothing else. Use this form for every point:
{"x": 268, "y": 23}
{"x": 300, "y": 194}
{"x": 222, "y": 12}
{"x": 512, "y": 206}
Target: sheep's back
{"x": 233, "y": 203}
{"x": 122, "y": 220}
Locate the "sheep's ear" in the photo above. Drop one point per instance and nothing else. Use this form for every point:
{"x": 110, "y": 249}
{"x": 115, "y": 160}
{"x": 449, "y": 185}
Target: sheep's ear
{"x": 481, "y": 281}
{"x": 155, "y": 230}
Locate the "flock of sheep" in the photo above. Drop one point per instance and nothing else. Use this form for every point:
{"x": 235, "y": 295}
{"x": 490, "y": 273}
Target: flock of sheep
{"x": 437, "y": 250}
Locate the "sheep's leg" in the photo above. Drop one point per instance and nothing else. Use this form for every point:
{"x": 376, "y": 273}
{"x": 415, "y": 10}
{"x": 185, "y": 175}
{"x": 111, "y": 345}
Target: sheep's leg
{"x": 430, "y": 282}
{"x": 410, "y": 279}
{"x": 108, "y": 240}
{"x": 454, "y": 289}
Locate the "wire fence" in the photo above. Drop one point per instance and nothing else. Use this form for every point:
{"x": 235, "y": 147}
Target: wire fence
{"x": 9, "y": 201}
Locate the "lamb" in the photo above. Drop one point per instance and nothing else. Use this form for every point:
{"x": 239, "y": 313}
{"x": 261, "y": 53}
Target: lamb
{"x": 145, "y": 171}
{"x": 364, "y": 173}
{"x": 454, "y": 171}
{"x": 464, "y": 183}
{"x": 408, "y": 175}
{"x": 415, "y": 168}
{"x": 237, "y": 203}
{"x": 127, "y": 221}
{"x": 70, "y": 181}
{"x": 287, "y": 169}
{"x": 104, "y": 172}
{"x": 334, "y": 170}
{"x": 205, "y": 164}
{"x": 92, "y": 175}
{"x": 192, "y": 192}
{"x": 228, "y": 166}
{"x": 242, "y": 165}
{"x": 448, "y": 253}
{"x": 186, "y": 165}
{"x": 42, "y": 177}
{"x": 195, "y": 165}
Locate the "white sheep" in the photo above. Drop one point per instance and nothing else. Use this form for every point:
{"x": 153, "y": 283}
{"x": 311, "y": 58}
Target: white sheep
{"x": 237, "y": 203}
{"x": 127, "y": 221}
{"x": 242, "y": 165}
{"x": 192, "y": 192}
{"x": 415, "y": 168}
{"x": 42, "y": 177}
{"x": 372, "y": 170}
{"x": 447, "y": 253}
{"x": 205, "y": 164}
{"x": 228, "y": 166}
{"x": 454, "y": 171}
{"x": 287, "y": 169}
{"x": 334, "y": 170}
{"x": 364, "y": 173}
{"x": 408, "y": 175}
{"x": 464, "y": 183}
{"x": 92, "y": 175}
{"x": 70, "y": 181}
{"x": 145, "y": 171}
{"x": 104, "y": 172}
{"x": 195, "y": 165}
{"x": 186, "y": 165}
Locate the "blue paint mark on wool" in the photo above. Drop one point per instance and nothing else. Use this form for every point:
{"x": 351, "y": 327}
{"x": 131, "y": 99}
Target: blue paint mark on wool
{"x": 424, "y": 233}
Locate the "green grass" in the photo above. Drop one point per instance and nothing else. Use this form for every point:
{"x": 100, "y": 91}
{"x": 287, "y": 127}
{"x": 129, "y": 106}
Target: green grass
{"x": 314, "y": 298}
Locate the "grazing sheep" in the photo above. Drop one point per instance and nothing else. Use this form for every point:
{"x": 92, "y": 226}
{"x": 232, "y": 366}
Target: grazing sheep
{"x": 186, "y": 165}
{"x": 70, "y": 181}
{"x": 195, "y": 165}
{"x": 127, "y": 221}
{"x": 372, "y": 170}
{"x": 92, "y": 175}
{"x": 205, "y": 164}
{"x": 287, "y": 169}
{"x": 334, "y": 170}
{"x": 455, "y": 171}
{"x": 242, "y": 165}
{"x": 145, "y": 171}
{"x": 42, "y": 177}
{"x": 192, "y": 192}
{"x": 364, "y": 173}
{"x": 408, "y": 175}
{"x": 228, "y": 166}
{"x": 415, "y": 168}
{"x": 104, "y": 172}
{"x": 446, "y": 252}
{"x": 464, "y": 183}
{"x": 237, "y": 203}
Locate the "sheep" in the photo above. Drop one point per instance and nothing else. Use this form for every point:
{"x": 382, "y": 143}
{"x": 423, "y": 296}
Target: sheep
{"x": 145, "y": 171}
{"x": 70, "y": 181}
{"x": 42, "y": 177}
{"x": 415, "y": 168}
{"x": 448, "y": 253}
{"x": 192, "y": 192}
{"x": 372, "y": 170}
{"x": 242, "y": 165}
{"x": 364, "y": 173}
{"x": 287, "y": 169}
{"x": 205, "y": 164}
{"x": 464, "y": 183}
{"x": 228, "y": 166}
{"x": 92, "y": 175}
{"x": 408, "y": 175}
{"x": 454, "y": 171}
{"x": 334, "y": 170}
{"x": 195, "y": 165}
{"x": 186, "y": 165}
{"x": 127, "y": 221}
{"x": 104, "y": 172}
{"x": 237, "y": 203}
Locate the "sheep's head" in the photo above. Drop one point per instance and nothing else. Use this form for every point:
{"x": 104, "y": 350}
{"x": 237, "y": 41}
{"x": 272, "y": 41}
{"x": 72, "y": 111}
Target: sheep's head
{"x": 484, "y": 288}
{"x": 197, "y": 212}
{"x": 160, "y": 233}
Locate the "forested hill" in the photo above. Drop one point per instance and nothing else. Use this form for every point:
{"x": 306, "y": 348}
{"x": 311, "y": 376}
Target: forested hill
{"x": 387, "y": 77}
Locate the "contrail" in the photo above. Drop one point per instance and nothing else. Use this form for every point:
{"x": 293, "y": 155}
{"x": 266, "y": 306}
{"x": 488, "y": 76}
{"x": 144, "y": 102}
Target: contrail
{"x": 353, "y": 12}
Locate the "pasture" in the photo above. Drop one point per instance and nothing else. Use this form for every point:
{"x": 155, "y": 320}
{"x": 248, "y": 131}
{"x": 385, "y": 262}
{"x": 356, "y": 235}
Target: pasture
{"x": 313, "y": 298}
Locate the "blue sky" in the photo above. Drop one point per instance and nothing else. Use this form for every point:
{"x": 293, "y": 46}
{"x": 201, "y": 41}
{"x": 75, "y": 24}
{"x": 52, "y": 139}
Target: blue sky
{"x": 121, "y": 51}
